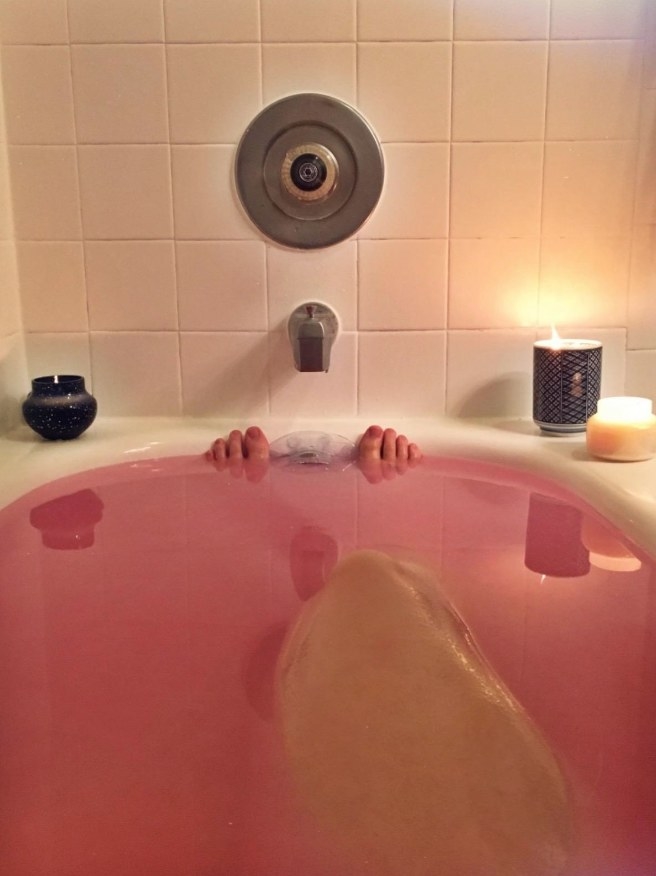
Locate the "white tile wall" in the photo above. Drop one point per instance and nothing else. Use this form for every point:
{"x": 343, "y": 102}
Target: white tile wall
{"x": 222, "y": 285}
{"x": 53, "y": 290}
{"x": 125, "y": 192}
{"x": 45, "y": 193}
{"x": 38, "y": 94}
{"x": 326, "y": 275}
{"x": 322, "y": 21}
{"x": 518, "y": 138}
{"x": 594, "y": 90}
{"x": 120, "y": 94}
{"x": 131, "y": 285}
{"x": 496, "y": 189}
{"x": 502, "y": 19}
{"x": 402, "y": 284}
{"x": 202, "y": 21}
{"x": 499, "y": 90}
{"x": 13, "y": 371}
{"x": 204, "y": 105}
{"x": 383, "y": 90}
{"x": 290, "y": 68}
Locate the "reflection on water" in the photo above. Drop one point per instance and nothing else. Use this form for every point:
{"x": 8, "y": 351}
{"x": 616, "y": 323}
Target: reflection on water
{"x": 68, "y": 522}
{"x": 553, "y": 538}
{"x": 562, "y": 541}
{"x": 146, "y": 730}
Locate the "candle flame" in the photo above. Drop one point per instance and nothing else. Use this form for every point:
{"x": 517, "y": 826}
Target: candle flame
{"x": 56, "y": 379}
{"x": 556, "y": 340}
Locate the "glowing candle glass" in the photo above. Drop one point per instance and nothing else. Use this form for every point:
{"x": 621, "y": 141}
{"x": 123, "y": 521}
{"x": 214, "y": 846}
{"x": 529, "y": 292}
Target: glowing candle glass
{"x": 566, "y": 383}
{"x": 623, "y": 429}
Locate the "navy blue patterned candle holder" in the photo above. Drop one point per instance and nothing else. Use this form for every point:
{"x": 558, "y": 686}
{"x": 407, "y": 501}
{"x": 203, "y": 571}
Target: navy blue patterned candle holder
{"x": 59, "y": 407}
{"x": 566, "y": 383}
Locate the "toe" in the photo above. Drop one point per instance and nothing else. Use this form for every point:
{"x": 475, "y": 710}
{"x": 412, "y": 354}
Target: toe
{"x": 414, "y": 454}
{"x": 389, "y": 445}
{"x": 370, "y": 444}
{"x": 401, "y": 448}
{"x": 217, "y": 451}
{"x": 256, "y": 444}
{"x": 235, "y": 445}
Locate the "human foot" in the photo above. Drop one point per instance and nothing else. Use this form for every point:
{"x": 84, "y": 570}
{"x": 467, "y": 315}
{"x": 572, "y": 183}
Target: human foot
{"x": 382, "y": 454}
{"x": 246, "y": 453}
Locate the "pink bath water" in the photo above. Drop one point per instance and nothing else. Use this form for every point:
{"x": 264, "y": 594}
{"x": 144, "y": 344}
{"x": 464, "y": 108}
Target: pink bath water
{"x": 142, "y": 610}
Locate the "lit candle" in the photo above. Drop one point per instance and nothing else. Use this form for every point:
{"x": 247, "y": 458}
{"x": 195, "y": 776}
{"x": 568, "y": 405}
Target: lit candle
{"x": 566, "y": 382}
{"x": 623, "y": 429}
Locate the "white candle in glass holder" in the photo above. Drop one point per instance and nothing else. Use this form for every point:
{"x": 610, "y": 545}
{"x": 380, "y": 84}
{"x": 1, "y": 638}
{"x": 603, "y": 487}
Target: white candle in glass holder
{"x": 623, "y": 429}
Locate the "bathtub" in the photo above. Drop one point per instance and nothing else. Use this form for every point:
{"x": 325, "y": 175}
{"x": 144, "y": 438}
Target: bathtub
{"x": 138, "y": 649}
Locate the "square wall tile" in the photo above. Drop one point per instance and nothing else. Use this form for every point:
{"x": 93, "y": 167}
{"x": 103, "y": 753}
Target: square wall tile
{"x": 206, "y": 21}
{"x": 594, "y": 90}
{"x": 649, "y": 50}
{"x": 597, "y": 19}
{"x": 415, "y": 199}
{"x": 205, "y": 201}
{"x": 490, "y": 373}
{"x": 11, "y": 320}
{"x": 38, "y": 95}
{"x": 322, "y": 21}
{"x": 402, "y": 284}
{"x": 120, "y": 94}
{"x": 501, "y": 20}
{"x": 328, "y": 275}
{"x": 14, "y": 376}
{"x": 588, "y": 188}
{"x": 6, "y": 217}
{"x": 405, "y": 19}
{"x": 224, "y": 374}
{"x": 388, "y": 72}
{"x": 493, "y": 283}
{"x": 325, "y": 68}
{"x": 121, "y": 21}
{"x": 402, "y": 374}
{"x": 31, "y": 22}
{"x": 222, "y": 285}
{"x": 204, "y": 105}
{"x": 645, "y": 207}
{"x": 126, "y": 192}
{"x": 45, "y": 192}
{"x": 496, "y": 189}
{"x": 52, "y": 284}
{"x": 642, "y": 291}
{"x": 584, "y": 281}
{"x": 131, "y": 285}
{"x": 313, "y": 394}
{"x": 136, "y": 374}
{"x": 499, "y": 90}
{"x": 58, "y": 353}
{"x": 641, "y": 373}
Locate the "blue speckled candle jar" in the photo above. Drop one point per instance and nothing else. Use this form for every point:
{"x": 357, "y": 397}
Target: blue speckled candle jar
{"x": 59, "y": 407}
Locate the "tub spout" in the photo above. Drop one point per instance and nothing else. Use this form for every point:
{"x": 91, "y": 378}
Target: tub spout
{"x": 312, "y": 332}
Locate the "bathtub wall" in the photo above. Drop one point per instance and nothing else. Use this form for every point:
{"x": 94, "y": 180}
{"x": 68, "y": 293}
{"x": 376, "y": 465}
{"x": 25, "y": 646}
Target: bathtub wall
{"x": 13, "y": 372}
{"x": 516, "y": 134}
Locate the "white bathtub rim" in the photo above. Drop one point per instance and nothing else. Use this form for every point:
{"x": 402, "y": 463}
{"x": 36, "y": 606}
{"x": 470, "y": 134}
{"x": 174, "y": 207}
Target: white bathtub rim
{"x": 623, "y": 493}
